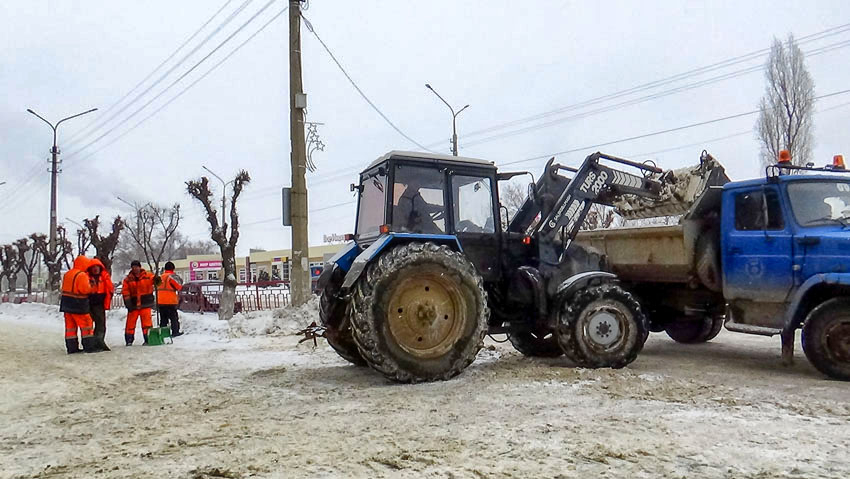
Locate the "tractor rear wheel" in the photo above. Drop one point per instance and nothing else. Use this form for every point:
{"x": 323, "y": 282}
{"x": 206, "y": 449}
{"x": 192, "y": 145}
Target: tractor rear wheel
{"x": 335, "y": 313}
{"x": 420, "y": 313}
{"x": 602, "y": 326}
{"x": 540, "y": 344}
{"x": 826, "y": 338}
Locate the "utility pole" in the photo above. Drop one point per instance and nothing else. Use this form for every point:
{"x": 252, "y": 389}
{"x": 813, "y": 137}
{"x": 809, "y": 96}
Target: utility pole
{"x": 300, "y": 274}
{"x": 54, "y": 180}
{"x": 454, "y": 118}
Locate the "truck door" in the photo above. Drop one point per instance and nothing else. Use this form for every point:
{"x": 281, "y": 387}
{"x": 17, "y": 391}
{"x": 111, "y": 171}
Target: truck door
{"x": 756, "y": 246}
{"x": 474, "y": 218}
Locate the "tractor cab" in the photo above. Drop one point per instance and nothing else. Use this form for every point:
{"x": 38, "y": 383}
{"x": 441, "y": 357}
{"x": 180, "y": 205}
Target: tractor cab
{"x": 445, "y": 198}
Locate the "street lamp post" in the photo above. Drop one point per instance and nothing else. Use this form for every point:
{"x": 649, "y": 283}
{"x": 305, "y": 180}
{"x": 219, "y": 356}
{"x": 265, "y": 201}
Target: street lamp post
{"x": 454, "y": 118}
{"x": 223, "y": 194}
{"x": 53, "y": 183}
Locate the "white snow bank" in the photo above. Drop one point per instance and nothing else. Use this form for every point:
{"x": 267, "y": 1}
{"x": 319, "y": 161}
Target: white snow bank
{"x": 277, "y": 322}
{"x": 284, "y": 321}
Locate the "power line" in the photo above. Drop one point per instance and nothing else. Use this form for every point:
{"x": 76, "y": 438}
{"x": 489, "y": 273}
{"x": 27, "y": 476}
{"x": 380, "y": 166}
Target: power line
{"x": 181, "y": 77}
{"x": 188, "y": 87}
{"x": 634, "y": 101}
{"x": 656, "y": 83}
{"x": 655, "y": 133}
{"x": 351, "y": 80}
{"x": 104, "y": 112}
{"x": 163, "y": 77}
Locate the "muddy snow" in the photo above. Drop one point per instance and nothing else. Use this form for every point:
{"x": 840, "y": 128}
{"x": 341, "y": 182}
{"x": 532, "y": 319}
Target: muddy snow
{"x": 244, "y": 399}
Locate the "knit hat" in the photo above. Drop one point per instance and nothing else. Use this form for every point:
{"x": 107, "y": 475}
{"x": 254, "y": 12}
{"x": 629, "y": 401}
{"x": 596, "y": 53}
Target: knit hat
{"x": 136, "y": 262}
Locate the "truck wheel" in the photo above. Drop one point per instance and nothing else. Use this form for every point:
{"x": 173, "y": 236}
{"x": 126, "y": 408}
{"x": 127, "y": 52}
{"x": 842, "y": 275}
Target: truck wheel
{"x": 334, "y": 312}
{"x": 420, "y": 313}
{"x": 693, "y": 331}
{"x": 826, "y": 338}
{"x": 602, "y": 326}
{"x": 708, "y": 260}
{"x": 539, "y": 344}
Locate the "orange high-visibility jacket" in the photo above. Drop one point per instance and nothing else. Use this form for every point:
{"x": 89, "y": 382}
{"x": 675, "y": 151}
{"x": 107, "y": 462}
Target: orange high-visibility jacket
{"x": 167, "y": 291}
{"x": 76, "y": 288}
{"x": 103, "y": 288}
{"x": 138, "y": 291}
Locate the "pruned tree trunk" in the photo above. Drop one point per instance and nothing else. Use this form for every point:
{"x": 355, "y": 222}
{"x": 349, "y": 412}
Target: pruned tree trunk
{"x": 104, "y": 246}
{"x": 28, "y": 255}
{"x": 154, "y": 231}
{"x": 200, "y": 190}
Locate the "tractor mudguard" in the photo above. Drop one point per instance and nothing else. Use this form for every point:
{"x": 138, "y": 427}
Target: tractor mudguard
{"x": 578, "y": 281}
{"x": 358, "y": 265}
{"x": 341, "y": 260}
{"x": 794, "y": 315}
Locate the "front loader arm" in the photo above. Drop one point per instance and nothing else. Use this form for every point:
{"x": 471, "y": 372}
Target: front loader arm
{"x": 592, "y": 183}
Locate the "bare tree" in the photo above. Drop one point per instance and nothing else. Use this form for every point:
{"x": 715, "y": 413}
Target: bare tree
{"x": 28, "y": 256}
{"x": 785, "y": 121}
{"x": 599, "y": 217}
{"x": 104, "y": 246}
{"x": 200, "y": 190}
{"x": 153, "y": 231}
{"x": 11, "y": 265}
{"x": 53, "y": 262}
{"x": 83, "y": 241}
{"x": 511, "y": 195}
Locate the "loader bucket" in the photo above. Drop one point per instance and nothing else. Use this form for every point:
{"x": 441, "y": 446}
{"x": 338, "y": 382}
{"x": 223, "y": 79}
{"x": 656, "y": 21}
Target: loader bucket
{"x": 680, "y": 189}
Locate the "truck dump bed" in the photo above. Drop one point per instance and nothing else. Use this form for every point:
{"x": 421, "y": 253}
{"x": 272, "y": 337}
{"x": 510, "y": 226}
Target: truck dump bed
{"x": 646, "y": 254}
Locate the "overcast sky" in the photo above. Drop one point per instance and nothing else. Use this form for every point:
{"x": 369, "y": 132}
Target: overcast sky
{"x": 509, "y": 60}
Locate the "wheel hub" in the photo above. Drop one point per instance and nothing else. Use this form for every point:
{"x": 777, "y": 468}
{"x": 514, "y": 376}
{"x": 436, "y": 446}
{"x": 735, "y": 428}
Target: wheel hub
{"x": 425, "y": 315}
{"x": 838, "y": 341}
{"x": 603, "y": 328}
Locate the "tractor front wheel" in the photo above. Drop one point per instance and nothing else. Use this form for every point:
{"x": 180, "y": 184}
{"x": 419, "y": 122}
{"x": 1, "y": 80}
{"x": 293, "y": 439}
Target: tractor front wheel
{"x": 602, "y": 326}
{"x": 420, "y": 313}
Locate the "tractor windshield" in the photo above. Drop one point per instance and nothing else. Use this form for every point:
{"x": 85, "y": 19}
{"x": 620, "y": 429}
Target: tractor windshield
{"x": 818, "y": 203}
{"x": 372, "y": 202}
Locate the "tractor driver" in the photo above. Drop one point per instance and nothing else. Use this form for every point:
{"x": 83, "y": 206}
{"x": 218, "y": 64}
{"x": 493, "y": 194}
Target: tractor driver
{"x": 414, "y": 214}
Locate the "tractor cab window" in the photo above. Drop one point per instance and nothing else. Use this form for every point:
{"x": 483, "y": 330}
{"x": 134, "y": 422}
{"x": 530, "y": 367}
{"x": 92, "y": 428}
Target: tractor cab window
{"x": 473, "y": 204}
{"x": 418, "y": 205}
{"x": 370, "y": 215}
{"x": 750, "y": 209}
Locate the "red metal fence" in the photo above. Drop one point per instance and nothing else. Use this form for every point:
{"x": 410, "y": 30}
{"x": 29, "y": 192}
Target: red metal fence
{"x": 252, "y": 296}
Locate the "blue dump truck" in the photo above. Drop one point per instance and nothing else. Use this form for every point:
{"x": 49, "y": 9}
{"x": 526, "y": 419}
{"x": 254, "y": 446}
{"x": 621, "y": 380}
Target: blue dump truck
{"x": 766, "y": 256}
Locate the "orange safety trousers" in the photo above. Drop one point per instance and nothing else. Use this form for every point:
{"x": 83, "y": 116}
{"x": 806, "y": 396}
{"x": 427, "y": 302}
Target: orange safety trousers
{"x": 134, "y": 315}
{"x": 81, "y": 321}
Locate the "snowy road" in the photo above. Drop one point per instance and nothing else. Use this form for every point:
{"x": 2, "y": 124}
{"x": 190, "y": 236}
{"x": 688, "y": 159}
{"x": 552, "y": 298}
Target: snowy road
{"x": 212, "y": 407}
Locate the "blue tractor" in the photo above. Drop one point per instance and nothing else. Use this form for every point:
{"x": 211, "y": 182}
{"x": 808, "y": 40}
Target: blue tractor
{"x": 432, "y": 269}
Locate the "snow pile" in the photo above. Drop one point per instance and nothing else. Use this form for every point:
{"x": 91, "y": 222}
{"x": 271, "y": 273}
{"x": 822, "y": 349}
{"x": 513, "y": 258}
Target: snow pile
{"x": 32, "y": 313}
{"x": 284, "y": 321}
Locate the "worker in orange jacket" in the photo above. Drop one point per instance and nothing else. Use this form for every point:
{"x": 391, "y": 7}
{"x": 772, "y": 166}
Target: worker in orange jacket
{"x": 100, "y": 299}
{"x": 137, "y": 290}
{"x": 75, "y": 304}
{"x": 166, "y": 299}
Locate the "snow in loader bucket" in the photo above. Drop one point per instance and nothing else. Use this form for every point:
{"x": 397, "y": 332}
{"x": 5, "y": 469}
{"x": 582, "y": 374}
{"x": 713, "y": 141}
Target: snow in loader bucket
{"x": 680, "y": 189}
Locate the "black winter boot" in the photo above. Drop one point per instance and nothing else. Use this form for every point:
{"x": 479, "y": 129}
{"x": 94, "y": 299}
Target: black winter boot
{"x": 128, "y": 338}
{"x": 146, "y": 339}
{"x": 175, "y": 328}
{"x": 90, "y": 345}
{"x": 72, "y": 346}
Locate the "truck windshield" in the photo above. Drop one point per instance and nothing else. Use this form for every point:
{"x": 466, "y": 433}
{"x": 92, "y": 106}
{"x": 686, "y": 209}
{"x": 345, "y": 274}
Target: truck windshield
{"x": 372, "y": 202}
{"x": 817, "y": 203}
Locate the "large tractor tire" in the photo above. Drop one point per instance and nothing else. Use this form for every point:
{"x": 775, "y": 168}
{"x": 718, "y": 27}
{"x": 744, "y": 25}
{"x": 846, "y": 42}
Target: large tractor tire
{"x": 539, "y": 344}
{"x": 420, "y": 313}
{"x": 335, "y": 314}
{"x": 826, "y": 338}
{"x": 693, "y": 331}
{"x": 602, "y": 326}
